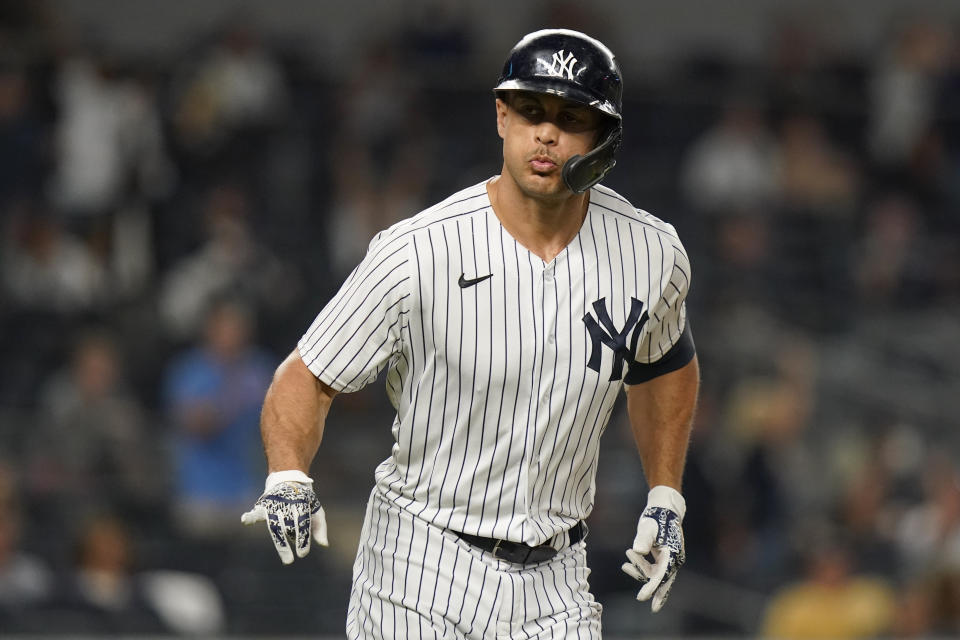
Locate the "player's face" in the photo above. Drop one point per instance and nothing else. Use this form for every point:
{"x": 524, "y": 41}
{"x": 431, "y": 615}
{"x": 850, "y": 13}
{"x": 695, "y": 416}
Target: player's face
{"x": 540, "y": 133}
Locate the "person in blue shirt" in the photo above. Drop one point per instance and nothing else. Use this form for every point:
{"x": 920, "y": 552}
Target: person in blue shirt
{"x": 214, "y": 392}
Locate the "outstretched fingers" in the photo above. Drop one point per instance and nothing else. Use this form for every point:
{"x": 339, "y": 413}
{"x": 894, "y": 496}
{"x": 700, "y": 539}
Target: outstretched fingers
{"x": 318, "y": 527}
{"x": 278, "y": 533}
{"x": 302, "y": 533}
{"x": 659, "y": 570}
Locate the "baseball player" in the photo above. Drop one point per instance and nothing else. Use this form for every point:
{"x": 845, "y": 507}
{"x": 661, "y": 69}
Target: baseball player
{"x": 509, "y": 317}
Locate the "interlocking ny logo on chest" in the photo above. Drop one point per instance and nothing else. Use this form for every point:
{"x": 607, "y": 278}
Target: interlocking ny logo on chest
{"x": 604, "y": 333}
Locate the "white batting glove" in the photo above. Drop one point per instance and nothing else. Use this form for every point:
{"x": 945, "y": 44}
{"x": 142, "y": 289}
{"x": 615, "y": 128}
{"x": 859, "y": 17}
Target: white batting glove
{"x": 292, "y": 513}
{"x": 658, "y": 550}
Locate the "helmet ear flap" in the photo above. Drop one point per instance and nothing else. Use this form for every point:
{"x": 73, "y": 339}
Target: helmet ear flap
{"x": 582, "y": 172}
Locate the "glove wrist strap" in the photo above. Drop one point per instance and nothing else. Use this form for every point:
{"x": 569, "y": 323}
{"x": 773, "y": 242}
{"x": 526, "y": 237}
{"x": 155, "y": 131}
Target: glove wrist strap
{"x": 292, "y": 475}
{"x": 667, "y": 498}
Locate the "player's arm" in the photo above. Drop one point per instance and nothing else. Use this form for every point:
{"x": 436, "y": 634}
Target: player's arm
{"x": 375, "y": 296}
{"x": 663, "y": 381}
{"x": 661, "y": 413}
{"x": 661, "y": 399}
{"x": 294, "y": 412}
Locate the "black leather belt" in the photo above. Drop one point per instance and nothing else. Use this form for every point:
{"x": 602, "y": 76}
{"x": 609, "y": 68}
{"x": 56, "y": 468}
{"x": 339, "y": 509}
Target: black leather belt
{"x": 517, "y": 551}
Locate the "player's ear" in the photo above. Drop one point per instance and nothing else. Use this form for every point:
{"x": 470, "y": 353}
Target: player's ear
{"x": 502, "y": 109}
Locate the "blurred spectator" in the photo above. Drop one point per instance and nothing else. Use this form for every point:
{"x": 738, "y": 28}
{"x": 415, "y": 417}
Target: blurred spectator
{"x": 820, "y": 190}
{"x": 778, "y": 482}
{"x": 47, "y": 268}
{"x": 815, "y": 175}
{"x": 903, "y": 90}
{"x": 231, "y": 260}
{"x": 378, "y": 101}
{"x": 929, "y": 533}
{"x": 365, "y": 203}
{"x": 233, "y": 87}
{"x": 106, "y": 593}
{"x": 891, "y": 260}
{"x": 926, "y": 176}
{"x": 188, "y": 603}
{"x": 730, "y": 177}
{"x": 831, "y": 601}
{"x": 25, "y": 580}
{"x": 94, "y": 446}
{"x": 866, "y": 507}
{"x": 214, "y": 392}
{"x": 732, "y": 168}
{"x": 23, "y": 143}
{"x": 355, "y": 214}
{"x": 108, "y": 139}
{"x": 380, "y": 158}
{"x": 99, "y": 595}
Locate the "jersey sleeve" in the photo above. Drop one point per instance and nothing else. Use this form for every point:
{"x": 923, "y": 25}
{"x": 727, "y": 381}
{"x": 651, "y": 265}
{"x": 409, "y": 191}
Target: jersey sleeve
{"x": 354, "y": 336}
{"x": 668, "y": 343}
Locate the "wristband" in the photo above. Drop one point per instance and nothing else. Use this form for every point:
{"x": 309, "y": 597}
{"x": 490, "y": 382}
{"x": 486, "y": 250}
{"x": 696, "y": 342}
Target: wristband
{"x": 667, "y": 498}
{"x": 292, "y": 475}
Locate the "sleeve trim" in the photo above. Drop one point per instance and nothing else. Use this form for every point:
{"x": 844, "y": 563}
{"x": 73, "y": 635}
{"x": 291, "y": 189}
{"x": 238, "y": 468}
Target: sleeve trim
{"x": 679, "y": 355}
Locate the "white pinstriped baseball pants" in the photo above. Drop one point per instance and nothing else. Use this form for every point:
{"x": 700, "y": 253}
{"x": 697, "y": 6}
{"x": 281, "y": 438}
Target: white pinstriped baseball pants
{"x": 412, "y": 580}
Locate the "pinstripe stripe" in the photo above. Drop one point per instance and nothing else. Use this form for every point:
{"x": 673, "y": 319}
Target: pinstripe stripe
{"x": 512, "y": 513}
{"x": 528, "y": 604}
{"x": 569, "y": 503}
{"x": 533, "y": 404}
{"x": 493, "y": 608}
{"x": 460, "y": 358}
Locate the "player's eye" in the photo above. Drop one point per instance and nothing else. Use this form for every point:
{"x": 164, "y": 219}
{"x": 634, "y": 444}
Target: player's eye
{"x": 531, "y": 111}
{"x": 576, "y": 121}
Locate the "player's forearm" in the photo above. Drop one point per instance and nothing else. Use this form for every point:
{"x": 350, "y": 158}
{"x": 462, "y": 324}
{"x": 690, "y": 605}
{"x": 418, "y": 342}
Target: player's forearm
{"x": 661, "y": 414}
{"x": 294, "y": 412}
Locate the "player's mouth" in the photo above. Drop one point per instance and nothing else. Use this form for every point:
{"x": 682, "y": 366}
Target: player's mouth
{"x": 543, "y": 163}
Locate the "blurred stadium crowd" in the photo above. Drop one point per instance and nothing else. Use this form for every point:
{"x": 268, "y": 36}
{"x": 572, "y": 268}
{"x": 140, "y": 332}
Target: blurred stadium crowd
{"x": 167, "y": 231}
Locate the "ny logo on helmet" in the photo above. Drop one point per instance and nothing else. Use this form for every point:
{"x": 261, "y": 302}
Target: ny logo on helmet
{"x": 562, "y": 63}
{"x": 614, "y": 338}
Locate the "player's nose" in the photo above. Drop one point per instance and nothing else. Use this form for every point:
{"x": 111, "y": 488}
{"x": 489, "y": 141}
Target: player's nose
{"x": 546, "y": 133}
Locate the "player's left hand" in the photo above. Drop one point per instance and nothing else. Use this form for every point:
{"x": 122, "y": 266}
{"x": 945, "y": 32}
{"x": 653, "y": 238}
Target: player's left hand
{"x": 658, "y": 550}
{"x": 292, "y": 513}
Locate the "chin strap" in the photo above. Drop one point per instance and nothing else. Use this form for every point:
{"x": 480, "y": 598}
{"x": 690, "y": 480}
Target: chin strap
{"x": 582, "y": 172}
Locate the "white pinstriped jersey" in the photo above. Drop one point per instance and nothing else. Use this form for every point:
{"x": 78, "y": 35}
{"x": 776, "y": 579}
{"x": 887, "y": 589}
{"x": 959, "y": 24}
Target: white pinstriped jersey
{"x": 503, "y": 386}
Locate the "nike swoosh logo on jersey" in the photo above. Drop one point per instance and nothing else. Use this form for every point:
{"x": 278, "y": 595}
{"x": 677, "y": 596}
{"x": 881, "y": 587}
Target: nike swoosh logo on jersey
{"x": 464, "y": 283}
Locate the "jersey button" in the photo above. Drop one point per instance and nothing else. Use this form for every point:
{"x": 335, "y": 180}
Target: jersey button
{"x": 551, "y": 339}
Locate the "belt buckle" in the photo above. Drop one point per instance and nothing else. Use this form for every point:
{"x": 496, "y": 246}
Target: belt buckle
{"x": 511, "y": 552}
{"x": 503, "y": 552}
{"x": 523, "y": 554}
{"x": 541, "y": 553}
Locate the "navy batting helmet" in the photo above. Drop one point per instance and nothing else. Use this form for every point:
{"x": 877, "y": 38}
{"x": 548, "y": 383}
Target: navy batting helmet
{"x": 579, "y": 68}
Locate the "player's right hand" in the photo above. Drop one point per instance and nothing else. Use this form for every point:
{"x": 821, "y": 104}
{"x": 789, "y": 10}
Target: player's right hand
{"x": 292, "y": 513}
{"x": 658, "y": 549}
